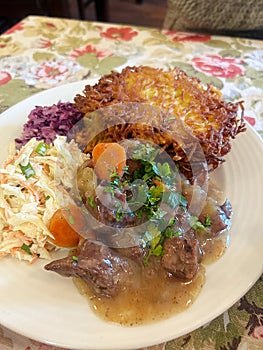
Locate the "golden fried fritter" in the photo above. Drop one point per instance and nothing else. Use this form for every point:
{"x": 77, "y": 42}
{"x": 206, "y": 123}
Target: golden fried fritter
{"x": 201, "y": 110}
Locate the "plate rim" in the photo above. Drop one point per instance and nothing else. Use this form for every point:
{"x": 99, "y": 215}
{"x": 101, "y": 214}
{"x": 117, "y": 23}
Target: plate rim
{"x": 252, "y": 134}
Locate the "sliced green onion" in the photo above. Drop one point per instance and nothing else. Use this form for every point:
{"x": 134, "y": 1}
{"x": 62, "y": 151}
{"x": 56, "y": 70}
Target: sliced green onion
{"x": 42, "y": 148}
{"x": 27, "y": 170}
{"x": 26, "y": 248}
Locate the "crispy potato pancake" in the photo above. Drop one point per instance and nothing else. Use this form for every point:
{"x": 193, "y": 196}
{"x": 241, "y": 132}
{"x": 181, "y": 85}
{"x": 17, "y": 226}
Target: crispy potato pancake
{"x": 183, "y": 102}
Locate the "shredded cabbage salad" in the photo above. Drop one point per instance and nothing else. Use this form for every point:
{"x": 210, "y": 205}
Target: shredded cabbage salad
{"x": 35, "y": 181}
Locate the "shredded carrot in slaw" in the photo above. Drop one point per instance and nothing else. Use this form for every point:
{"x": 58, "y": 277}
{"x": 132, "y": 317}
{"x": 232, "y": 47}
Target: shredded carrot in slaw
{"x": 27, "y": 204}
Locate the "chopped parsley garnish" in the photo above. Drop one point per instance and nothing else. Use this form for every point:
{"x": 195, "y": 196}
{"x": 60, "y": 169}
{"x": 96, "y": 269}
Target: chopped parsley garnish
{"x": 154, "y": 238}
{"x": 196, "y": 224}
{"x": 174, "y": 199}
{"x": 114, "y": 174}
{"x": 75, "y": 258}
{"x": 151, "y": 184}
{"x": 162, "y": 170}
{"x": 119, "y": 215}
{"x": 145, "y": 152}
{"x": 114, "y": 184}
{"x": 151, "y": 193}
{"x": 139, "y": 193}
{"x": 208, "y": 221}
{"x": 109, "y": 189}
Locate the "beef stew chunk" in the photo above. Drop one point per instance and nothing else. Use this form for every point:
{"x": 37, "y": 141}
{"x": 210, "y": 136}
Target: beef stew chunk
{"x": 178, "y": 219}
{"x": 181, "y": 257}
{"x": 104, "y": 270}
{"x": 220, "y": 217}
{"x": 107, "y": 271}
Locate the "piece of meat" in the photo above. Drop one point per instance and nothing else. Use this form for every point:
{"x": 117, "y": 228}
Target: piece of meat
{"x": 181, "y": 257}
{"x": 220, "y": 217}
{"x": 136, "y": 253}
{"x": 133, "y": 165}
{"x": 104, "y": 270}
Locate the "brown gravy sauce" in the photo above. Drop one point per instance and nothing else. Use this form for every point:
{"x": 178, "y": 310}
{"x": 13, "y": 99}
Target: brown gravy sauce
{"x": 152, "y": 297}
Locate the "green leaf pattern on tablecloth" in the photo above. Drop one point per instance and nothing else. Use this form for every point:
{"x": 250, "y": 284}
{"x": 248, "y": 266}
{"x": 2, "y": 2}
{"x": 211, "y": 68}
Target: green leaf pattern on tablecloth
{"x": 103, "y": 66}
{"x": 234, "y": 330}
{"x": 43, "y": 56}
{"x": 85, "y": 49}
{"x": 60, "y": 39}
{"x": 7, "y": 92}
{"x": 222, "y": 44}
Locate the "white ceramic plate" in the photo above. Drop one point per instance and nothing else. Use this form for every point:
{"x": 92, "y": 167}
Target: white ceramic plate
{"x": 48, "y": 308}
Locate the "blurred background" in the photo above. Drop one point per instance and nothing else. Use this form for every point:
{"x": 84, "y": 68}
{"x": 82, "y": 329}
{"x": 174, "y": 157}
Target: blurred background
{"x": 137, "y": 12}
{"x": 233, "y": 17}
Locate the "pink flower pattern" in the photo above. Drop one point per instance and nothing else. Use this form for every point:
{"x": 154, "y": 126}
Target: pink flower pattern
{"x": 50, "y": 72}
{"x": 250, "y": 120}
{"x": 209, "y": 60}
{"x": 184, "y": 36}
{"x": 218, "y": 66}
{"x": 4, "y": 77}
{"x": 17, "y": 27}
{"x": 44, "y": 43}
{"x": 126, "y": 33}
{"x": 90, "y": 49}
{"x": 258, "y": 332}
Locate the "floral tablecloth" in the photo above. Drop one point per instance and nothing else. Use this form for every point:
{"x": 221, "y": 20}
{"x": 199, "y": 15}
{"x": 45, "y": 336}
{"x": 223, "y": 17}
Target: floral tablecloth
{"x": 40, "y": 53}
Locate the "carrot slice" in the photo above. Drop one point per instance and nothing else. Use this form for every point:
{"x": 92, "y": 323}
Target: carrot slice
{"x": 108, "y": 158}
{"x": 66, "y": 224}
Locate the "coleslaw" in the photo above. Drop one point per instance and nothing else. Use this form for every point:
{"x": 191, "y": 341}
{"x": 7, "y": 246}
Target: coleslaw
{"x": 35, "y": 181}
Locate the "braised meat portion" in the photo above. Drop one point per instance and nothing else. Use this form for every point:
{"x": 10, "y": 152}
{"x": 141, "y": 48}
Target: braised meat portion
{"x": 219, "y": 217}
{"x": 145, "y": 220}
{"x": 104, "y": 270}
{"x": 182, "y": 257}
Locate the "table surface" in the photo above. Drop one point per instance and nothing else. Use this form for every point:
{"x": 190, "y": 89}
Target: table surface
{"x": 40, "y": 53}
